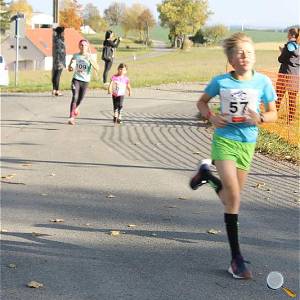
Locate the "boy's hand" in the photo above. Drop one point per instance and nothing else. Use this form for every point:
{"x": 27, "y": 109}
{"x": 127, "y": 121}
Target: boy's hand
{"x": 253, "y": 118}
{"x": 218, "y": 120}
{"x": 70, "y": 68}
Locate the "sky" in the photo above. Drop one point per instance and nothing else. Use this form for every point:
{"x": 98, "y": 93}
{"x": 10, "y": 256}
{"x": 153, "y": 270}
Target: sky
{"x": 258, "y": 13}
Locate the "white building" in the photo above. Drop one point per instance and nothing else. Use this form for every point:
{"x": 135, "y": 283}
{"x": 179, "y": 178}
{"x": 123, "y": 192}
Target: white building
{"x": 41, "y": 20}
{"x": 35, "y": 50}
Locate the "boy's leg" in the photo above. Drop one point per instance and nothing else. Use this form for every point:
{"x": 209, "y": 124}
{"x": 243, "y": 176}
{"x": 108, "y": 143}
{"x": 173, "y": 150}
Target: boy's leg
{"x": 115, "y": 106}
{"x": 120, "y": 106}
{"x": 82, "y": 91}
{"x": 75, "y": 91}
{"x": 233, "y": 180}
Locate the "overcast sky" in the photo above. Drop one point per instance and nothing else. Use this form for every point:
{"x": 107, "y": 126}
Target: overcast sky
{"x": 263, "y": 13}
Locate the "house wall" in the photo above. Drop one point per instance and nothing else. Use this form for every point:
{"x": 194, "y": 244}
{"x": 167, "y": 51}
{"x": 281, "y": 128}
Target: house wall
{"x": 29, "y": 56}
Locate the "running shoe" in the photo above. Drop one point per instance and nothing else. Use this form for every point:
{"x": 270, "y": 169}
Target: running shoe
{"x": 71, "y": 121}
{"x": 200, "y": 177}
{"x": 119, "y": 121}
{"x": 238, "y": 269}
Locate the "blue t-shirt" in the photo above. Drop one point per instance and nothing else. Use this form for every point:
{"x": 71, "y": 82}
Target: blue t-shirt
{"x": 234, "y": 96}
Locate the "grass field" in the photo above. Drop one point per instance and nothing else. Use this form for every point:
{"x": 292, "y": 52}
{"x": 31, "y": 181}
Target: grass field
{"x": 198, "y": 64}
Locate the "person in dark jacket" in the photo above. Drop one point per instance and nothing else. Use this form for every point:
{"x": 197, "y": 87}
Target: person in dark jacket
{"x": 288, "y": 77}
{"x": 59, "y": 59}
{"x": 109, "y": 45}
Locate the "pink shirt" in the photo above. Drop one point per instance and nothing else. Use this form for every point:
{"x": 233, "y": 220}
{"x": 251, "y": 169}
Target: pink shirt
{"x": 119, "y": 84}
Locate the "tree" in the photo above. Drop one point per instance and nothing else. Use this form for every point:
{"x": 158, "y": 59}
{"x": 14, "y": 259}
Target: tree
{"x": 91, "y": 17}
{"x": 4, "y": 16}
{"x": 146, "y": 21}
{"x": 182, "y": 16}
{"x": 114, "y": 13}
{"x": 214, "y": 34}
{"x": 70, "y": 16}
{"x": 21, "y": 6}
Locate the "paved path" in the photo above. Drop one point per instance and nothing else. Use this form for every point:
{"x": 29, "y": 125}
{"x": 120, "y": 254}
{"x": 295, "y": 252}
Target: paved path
{"x": 68, "y": 172}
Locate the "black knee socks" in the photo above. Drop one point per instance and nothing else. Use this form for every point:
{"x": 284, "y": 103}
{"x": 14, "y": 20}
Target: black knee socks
{"x": 231, "y": 221}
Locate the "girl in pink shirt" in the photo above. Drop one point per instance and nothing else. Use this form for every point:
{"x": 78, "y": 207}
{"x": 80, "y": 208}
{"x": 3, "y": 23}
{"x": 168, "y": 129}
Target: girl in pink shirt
{"x": 118, "y": 85}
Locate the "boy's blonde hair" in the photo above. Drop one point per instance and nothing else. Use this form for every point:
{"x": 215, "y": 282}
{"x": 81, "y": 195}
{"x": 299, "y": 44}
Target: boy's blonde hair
{"x": 230, "y": 44}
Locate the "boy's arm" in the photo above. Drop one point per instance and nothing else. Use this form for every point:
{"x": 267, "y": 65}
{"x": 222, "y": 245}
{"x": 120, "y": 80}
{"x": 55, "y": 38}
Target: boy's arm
{"x": 129, "y": 89}
{"x": 109, "y": 90}
{"x": 202, "y": 105}
{"x": 70, "y": 68}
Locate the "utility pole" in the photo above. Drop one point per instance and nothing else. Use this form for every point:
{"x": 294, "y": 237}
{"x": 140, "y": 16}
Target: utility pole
{"x": 55, "y": 24}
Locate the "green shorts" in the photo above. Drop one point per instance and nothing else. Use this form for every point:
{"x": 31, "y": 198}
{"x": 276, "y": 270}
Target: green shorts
{"x": 226, "y": 149}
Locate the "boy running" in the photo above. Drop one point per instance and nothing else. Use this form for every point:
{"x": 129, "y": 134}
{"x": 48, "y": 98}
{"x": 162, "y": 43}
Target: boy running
{"x": 241, "y": 92}
{"x": 118, "y": 85}
{"x": 81, "y": 77}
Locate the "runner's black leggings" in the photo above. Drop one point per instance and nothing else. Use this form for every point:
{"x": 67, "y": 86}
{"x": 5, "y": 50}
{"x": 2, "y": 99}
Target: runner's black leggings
{"x": 56, "y": 78}
{"x": 118, "y": 103}
{"x": 78, "y": 91}
{"x": 107, "y": 67}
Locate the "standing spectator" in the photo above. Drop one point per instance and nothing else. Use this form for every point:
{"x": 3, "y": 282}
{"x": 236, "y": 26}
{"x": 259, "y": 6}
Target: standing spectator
{"x": 59, "y": 59}
{"x": 288, "y": 77}
{"x": 108, "y": 52}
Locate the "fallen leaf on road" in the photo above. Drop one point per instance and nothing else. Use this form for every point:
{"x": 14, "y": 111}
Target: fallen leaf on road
{"x": 114, "y": 233}
{"x": 34, "y": 284}
{"x": 57, "y": 220}
{"x": 12, "y": 266}
{"x": 110, "y": 196}
{"x": 259, "y": 185}
{"x": 213, "y": 231}
{"x": 131, "y": 225}
{"x": 26, "y": 165}
{"x": 182, "y": 198}
{"x": 38, "y": 234}
{"x": 196, "y": 152}
{"x": 10, "y": 176}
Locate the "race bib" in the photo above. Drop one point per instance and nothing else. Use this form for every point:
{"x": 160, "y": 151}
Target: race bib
{"x": 119, "y": 88}
{"x": 234, "y": 103}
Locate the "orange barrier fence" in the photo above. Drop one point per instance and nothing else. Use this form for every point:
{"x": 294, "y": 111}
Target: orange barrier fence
{"x": 288, "y": 107}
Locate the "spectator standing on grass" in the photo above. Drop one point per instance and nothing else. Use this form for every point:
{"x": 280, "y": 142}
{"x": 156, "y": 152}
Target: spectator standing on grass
{"x": 108, "y": 52}
{"x": 288, "y": 77}
{"x": 59, "y": 59}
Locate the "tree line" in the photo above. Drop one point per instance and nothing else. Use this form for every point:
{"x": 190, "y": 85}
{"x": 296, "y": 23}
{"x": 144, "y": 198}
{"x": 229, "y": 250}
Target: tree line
{"x": 185, "y": 19}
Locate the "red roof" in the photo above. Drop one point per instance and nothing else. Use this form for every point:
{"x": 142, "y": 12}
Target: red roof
{"x": 42, "y": 39}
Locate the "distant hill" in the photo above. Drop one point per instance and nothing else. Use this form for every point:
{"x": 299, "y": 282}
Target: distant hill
{"x": 263, "y": 36}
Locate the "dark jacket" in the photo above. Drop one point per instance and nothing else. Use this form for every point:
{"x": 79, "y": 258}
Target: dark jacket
{"x": 59, "y": 57}
{"x": 290, "y": 60}
{"x": 111, "y": 44}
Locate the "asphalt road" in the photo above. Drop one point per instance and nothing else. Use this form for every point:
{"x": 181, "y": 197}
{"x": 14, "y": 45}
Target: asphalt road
{"x": 99, "y": 177}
